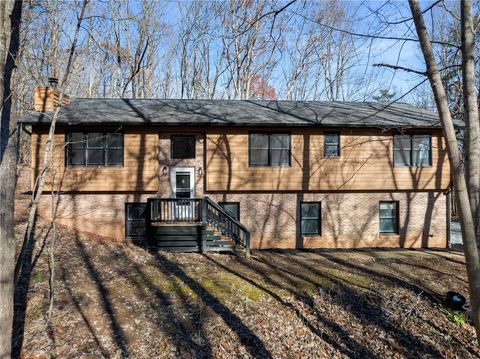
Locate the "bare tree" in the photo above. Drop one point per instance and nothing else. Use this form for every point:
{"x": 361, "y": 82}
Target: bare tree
{"x": 470, "y": 105}
{"x": 465, "y": 206}
{"x": 249, "y": 44}
{"x": 11, "y": 13}
{"x": 38, "y": 191}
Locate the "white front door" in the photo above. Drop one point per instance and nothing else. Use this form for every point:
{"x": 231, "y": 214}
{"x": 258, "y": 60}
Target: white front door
{"x": 183, "y": 182}
{"x": 183, "y": 186}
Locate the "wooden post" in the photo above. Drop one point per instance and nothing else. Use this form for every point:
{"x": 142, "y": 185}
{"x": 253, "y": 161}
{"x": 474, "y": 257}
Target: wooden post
{"x": 148, "y": 219}
{"x": 247, "y": 245}
{"x": 203, "y": 219}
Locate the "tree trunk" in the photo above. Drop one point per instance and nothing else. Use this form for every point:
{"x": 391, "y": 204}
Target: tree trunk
{"x": 11, "y": 12}
{"x": 460, "y": 185}
{"x": 48, "y": 150}
{"x": 472, "y": 145}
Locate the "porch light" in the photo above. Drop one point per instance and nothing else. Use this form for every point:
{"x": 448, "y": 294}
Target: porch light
{"x": 164, "y": 170}
{"x": 200, "y": 171}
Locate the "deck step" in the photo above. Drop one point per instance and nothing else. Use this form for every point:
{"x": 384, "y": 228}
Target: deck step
{"x": 212, "y": 238}
{"x": 174, "y": 230}
{"x": 220, "y": 243}
{"x": 174, "y": 243}
{"x": 189, "y": 238}
{"x": 163, "y": 238}
{"x": 221, "y": 249}
{"x": 179, "y": 249}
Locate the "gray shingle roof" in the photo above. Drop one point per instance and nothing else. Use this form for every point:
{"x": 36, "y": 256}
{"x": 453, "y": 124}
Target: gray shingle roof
{"x": 240, "y": 113}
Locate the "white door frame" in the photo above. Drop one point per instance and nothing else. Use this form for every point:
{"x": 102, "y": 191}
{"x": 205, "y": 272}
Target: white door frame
{"x": 173, "y": 179}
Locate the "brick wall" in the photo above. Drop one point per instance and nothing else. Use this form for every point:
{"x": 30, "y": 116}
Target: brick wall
{"x": 166, "y": 162}
{"x": 349, "y": 220}
{"x": 99, "y": 214}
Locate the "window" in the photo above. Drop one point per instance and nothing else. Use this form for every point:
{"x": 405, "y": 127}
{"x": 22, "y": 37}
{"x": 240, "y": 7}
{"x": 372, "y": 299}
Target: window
{"x": 269, "y": 150}
{"x": 94, "y": 149}
{"x": 412, "y": 150}
{"x": 232, "y": 208}
{"x": 389, "y": 217}
{"x": 135, "y": 220}
{"x": 182, "y": 185}
{"x": 310, "y": 218}
{"x": 331, "y": 147}
{"x": 183, "y": 146}
{"x": 114, "y": 149}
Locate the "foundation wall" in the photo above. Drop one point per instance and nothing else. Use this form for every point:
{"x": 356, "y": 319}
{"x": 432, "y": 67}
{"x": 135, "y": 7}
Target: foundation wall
{"x": 348, "y": 220}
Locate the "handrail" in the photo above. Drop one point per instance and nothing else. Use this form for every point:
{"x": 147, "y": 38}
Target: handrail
{"x": 236, "y": 237}
{"x": 196, "y": 210}
{"x": 225, "y": 213}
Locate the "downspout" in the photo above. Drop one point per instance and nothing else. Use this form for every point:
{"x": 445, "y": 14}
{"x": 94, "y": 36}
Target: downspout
{"x": 449, "y": 215}
{"x": 17, "y": 149}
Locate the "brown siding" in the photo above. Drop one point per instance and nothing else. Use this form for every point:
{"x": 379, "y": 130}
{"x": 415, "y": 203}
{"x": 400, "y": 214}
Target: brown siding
{"x": 365, "y": 164}
{"x": 47, "y": 99}
{"x": 139, "y": 173}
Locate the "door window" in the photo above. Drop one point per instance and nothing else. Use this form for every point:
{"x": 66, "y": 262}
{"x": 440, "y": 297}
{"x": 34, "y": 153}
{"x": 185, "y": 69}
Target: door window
{"x": 183, "y": 188}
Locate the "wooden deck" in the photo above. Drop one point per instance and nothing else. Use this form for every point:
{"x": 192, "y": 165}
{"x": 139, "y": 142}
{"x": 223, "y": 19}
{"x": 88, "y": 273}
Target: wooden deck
{"x": 189, "y": 238}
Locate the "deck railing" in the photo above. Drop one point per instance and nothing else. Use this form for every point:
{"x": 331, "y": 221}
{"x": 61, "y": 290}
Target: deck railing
{"x": 198, "y": 210}
{"x": 216, "y": 216}
{"x": 175, "y": 210}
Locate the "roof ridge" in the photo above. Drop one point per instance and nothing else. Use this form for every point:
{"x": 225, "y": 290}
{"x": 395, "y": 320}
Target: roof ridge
{"x": 247, "y": 100}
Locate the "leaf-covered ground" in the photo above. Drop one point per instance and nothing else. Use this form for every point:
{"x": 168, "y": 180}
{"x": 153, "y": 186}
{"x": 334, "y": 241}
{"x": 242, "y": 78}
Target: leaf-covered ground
{"x": 120, "y": 300}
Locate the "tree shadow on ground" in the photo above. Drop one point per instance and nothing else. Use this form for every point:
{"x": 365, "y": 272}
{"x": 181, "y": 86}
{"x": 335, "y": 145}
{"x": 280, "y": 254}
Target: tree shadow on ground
{"x": 361, "y": 304}
{"x": 20, "y": 300}
{"x": 171, "y": 295}
{"x": 252, "y": 343}
{"x": 351, "y": 347}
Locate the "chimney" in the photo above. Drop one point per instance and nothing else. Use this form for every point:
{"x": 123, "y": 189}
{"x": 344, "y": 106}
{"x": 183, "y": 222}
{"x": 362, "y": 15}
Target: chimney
{"x": 47, "y": 99}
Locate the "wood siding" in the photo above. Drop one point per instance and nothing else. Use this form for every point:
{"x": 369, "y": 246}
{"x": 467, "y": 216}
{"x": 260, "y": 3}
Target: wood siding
{"x": 139, "y": 171}
{"x": 47, "y": 99}
{"x": 365, "y": 163}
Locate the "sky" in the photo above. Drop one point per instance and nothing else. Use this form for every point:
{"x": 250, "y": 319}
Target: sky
{"x": 367, "y": 17}
{"x": 362, "y": 12}
{"x": 393, "y": 52}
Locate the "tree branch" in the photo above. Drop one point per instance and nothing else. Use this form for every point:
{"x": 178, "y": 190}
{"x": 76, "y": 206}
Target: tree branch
{"x": 407, "y": 69}
{"x": 396, "y": 67}
{"x": 371, "y": 36}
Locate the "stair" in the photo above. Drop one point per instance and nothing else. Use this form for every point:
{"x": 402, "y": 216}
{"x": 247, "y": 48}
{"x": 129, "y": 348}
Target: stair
{"x": 217, "y": 242}
{"x": 196, "y": 233}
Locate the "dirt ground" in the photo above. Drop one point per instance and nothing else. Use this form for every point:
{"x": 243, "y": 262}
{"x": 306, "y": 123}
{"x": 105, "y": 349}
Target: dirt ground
{"x": 122, "y": 300}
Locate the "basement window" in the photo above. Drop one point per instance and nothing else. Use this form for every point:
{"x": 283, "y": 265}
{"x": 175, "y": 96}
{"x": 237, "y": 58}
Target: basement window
{"x": 232, "y": 208}
{"x": 388, "y": 217}
{"x": 135, "y": 220}
{"x": 310, "y": 218}
{"x": 94, "y": 149}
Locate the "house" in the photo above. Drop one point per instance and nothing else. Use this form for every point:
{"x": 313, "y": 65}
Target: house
{"x": 193, "y": 174}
